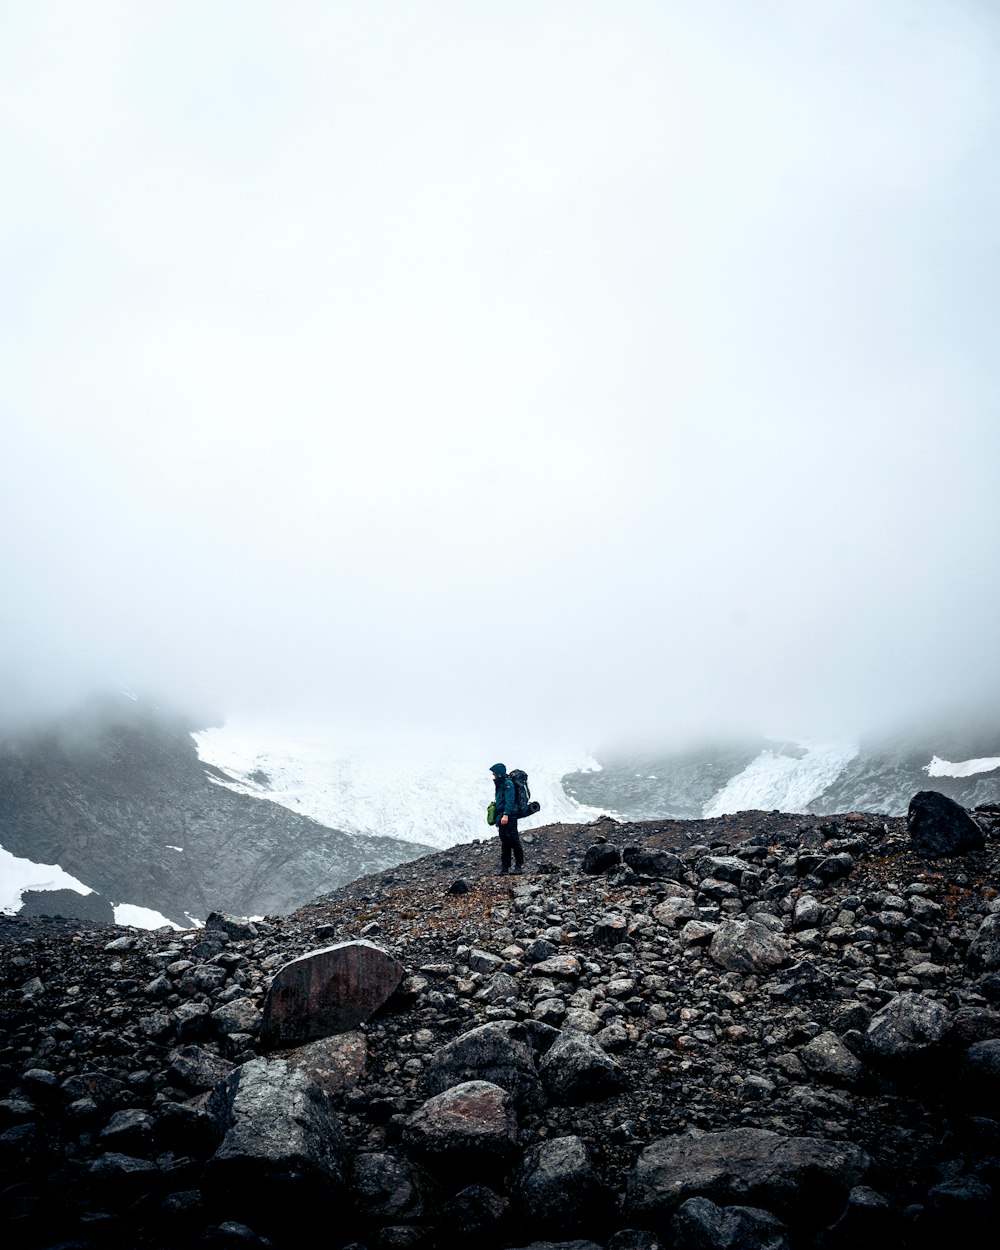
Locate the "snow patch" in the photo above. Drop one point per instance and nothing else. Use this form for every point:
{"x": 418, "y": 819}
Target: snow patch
{"x": 967, "y": 768}
{"x": 774, "y": 780}
{"x": 141, "y": 917}
{"x": 18, "y": 875}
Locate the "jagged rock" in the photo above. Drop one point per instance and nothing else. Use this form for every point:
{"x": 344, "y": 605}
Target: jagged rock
{"x": 558, "y": 1185}
{"x": 239, "y": 1016}
{"x": 747, "y": 946}
{"x": 939, "y": 826}
{"x": 575, "y": 1069}
{"x": 866, "y": 1220}
{"x": 565, "y": 967}
{"x": 674, "y": 910}
{"x": 328, "y": 991}
{"x": 283, "y": 1141}
{"x": 746, "y": 1165}
{"x": 657, "y": 865}
{"x": 701, "y": 1225}
{"x": 124, "y": 1174}
{"x": 387, "y": 1188}
{"x": 907, "y": 1024}
{"x": 335, "y": 1064}
{"x": 981, "y": 1069}
{"x": 722, "y": 868}
{"x": 470, "y": 1121}
{"x": 827, "y": 1057}
{"x": 476, "y": 1212}
{"x": 601, "y": 857}
{"x": 198, "y": 1068}
{"x": 499, "y": 1053}
{"x": 128, "y": 1130}
{"x": 984, "y": 952}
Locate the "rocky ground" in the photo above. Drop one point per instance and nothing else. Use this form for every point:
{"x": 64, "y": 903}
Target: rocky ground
{"x": 757, "y": 1031}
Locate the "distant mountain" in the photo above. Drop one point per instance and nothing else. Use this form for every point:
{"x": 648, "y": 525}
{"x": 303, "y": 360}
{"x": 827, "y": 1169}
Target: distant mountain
{"x": 116, "y": 796}
{"x": 819, "y": 779}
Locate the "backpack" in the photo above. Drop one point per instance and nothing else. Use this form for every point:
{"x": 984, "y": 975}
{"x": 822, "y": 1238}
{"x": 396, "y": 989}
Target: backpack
{"x": 526, "y": 806}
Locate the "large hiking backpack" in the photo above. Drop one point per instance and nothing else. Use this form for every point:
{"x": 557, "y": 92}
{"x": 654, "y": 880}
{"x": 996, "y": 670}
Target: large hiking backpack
{"x": 526, "y": 806}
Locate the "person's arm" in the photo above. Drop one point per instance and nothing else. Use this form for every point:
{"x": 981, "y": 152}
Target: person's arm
{"x": 508, "y": 800}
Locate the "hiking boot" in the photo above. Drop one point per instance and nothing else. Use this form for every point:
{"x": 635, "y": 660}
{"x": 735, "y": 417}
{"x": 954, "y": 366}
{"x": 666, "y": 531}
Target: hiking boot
{"x": 518, "y": 870}
{"x": 502, "y": 872}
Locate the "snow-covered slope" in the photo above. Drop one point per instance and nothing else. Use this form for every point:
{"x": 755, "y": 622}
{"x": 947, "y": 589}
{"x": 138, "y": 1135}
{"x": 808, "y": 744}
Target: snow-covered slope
{"x": 437, "y": 795}
{"x": 779, "y": 780}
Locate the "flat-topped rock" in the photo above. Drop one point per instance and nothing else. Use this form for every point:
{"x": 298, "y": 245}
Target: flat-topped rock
{"x": 327, "y": 991}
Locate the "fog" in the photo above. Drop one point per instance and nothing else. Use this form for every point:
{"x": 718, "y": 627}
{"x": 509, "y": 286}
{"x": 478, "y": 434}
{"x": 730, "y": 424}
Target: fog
{"x": 443, "y": 369}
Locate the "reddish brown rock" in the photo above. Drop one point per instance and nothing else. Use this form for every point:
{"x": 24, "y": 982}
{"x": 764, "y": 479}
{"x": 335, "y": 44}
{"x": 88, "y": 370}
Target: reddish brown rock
{"x": 327, "y": 991}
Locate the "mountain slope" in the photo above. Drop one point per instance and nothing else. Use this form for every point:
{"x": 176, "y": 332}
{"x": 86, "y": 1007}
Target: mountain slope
{"x": 117, "y": 797}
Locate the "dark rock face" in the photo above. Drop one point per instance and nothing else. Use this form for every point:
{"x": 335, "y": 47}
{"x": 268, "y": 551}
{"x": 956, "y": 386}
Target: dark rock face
{"x": 328, "y": 991}
{"x": 939, "y": 826}
{"x": 564, "y": 1057}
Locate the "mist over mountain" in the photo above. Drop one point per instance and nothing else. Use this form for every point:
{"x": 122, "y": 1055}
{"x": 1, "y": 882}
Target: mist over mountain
{"x": 116, "y": 796}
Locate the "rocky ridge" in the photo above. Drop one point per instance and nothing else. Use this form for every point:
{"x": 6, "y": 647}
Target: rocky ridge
{"x": 760, "y": 1030}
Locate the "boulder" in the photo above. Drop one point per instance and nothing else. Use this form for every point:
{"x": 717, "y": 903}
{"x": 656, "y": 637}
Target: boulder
{"x": 722, "y": 868}
{"x": 327, "y": 991}
{"x": 939, "y": 826}
{"x": 283, "y": 1141}
{"x": 700, "y": 1224}
{"x": 197, "y": 1068}
{"x": 984, "y": 952}
{"x": 576, "y": 1069}
{"x": 748, "y": 946}
{"x": 558, "y": 1185}
{"x": 388, "y": 1189}
{"x": 499, "y": 1052}
{"x": 335, "y": 1064}
{"x": 906, "y": 1025}
{"x": 806, "y": 1176}
{"x": 658, "y": 865}
{"x": 476, "y": 1211}
{"x": 674, "y": 911}
{"x": 474, "y": 1121}
{"x": 827, "y": 1057}
{"x": 601, "y": 857}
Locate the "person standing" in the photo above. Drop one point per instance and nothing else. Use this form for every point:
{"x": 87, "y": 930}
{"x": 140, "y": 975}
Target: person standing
{"x": 506, "y": 821}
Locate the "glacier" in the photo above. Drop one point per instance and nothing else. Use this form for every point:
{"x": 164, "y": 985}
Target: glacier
{"x": 420, "y": 792}
{"x": 776, "y": 780}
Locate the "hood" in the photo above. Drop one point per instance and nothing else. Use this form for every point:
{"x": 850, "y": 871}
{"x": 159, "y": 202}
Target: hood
{"x": 499, "y": 770}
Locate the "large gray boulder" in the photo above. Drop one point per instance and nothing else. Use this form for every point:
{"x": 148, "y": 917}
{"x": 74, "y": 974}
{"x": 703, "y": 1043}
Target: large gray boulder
{"x": 498, "y": 1052}
{"x": 906, "y": 1025}
{"x": 748, "y": 946}
{"x": 806, "y": 1176}
{"x": 558, "y": 1184}
{"x": 473, "y": 1121}
{"x": 282, "y": 1138}
{"x": 939, "y": 826}
{"x": 575, "y": 1069}
{"x": 327, "y": 991}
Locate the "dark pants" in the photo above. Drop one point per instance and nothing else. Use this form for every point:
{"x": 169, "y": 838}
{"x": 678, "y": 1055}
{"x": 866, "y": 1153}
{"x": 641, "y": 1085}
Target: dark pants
{"x": 509, "y": 841}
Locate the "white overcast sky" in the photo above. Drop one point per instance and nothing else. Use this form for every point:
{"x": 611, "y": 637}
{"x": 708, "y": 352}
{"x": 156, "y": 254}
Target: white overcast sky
{"x": 591, "y": 365}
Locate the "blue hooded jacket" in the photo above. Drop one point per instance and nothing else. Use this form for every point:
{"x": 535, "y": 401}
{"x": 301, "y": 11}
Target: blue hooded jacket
{"x": 506, "y": 800}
